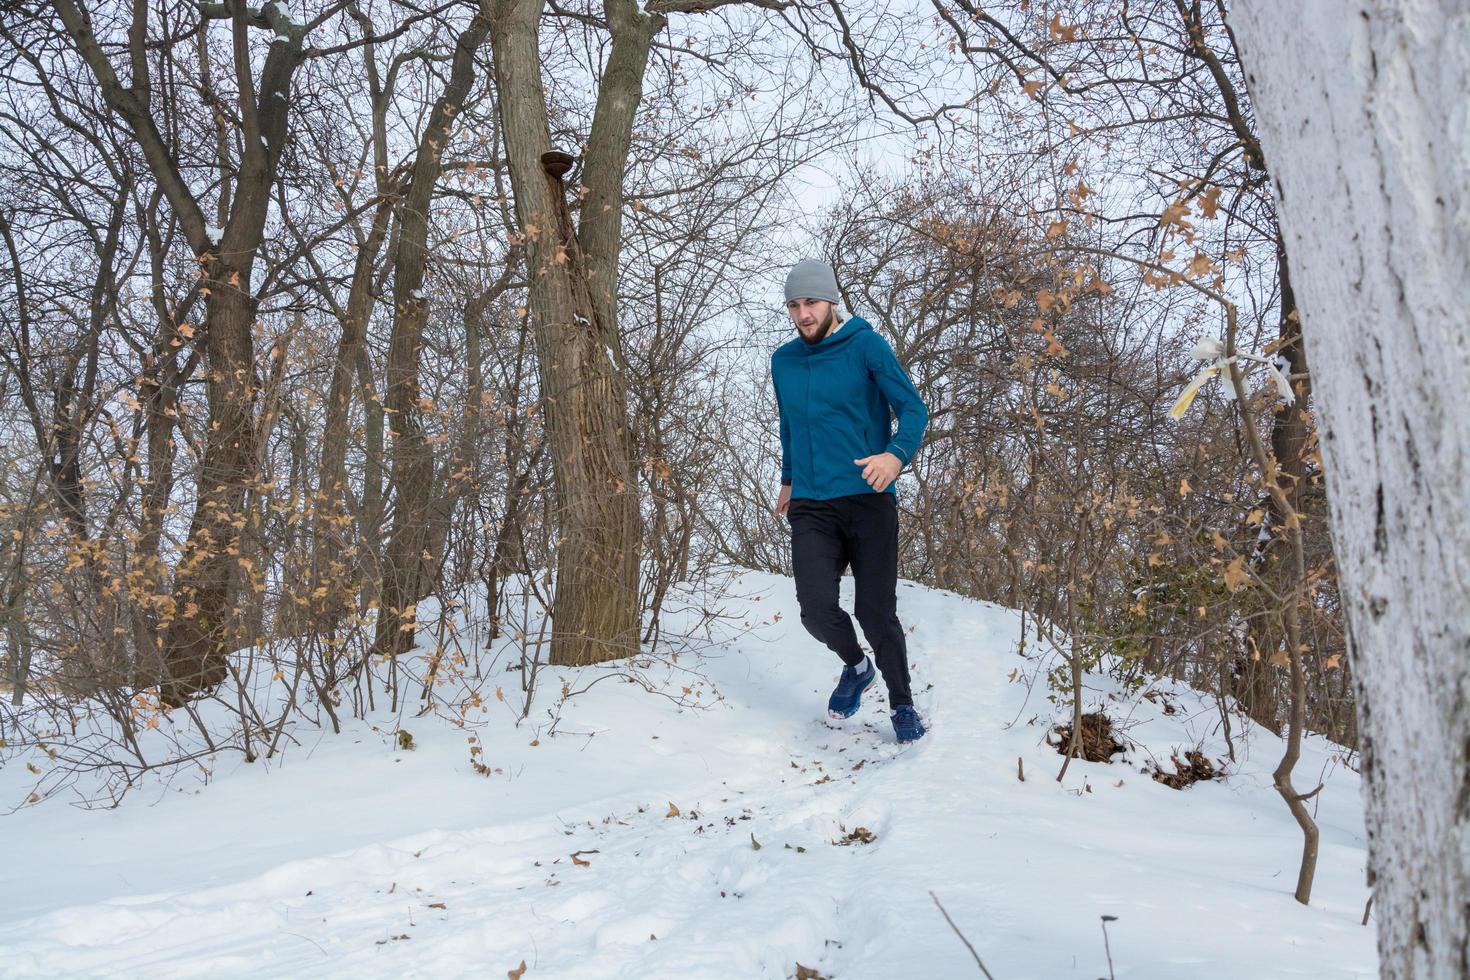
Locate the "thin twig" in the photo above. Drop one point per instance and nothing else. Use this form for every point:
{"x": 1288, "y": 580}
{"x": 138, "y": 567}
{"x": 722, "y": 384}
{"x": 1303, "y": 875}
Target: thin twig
{"x": 310, "y": 940}
{"x": 1107, "y": 947}
{"x": 962, "y": 937}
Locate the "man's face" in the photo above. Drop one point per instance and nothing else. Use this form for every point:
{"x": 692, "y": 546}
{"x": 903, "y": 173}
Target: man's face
{"x": 811, "y": 316}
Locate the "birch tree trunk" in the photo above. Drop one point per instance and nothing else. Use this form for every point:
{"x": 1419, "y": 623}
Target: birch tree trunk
{"x": 1362, "y": 112}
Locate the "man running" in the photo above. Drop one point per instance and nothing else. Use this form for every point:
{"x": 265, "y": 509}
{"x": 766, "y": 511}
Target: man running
{"x": 838, "y": 384}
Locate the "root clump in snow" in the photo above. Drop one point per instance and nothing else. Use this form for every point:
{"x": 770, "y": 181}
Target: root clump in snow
{"x": 1195, "y": 767}
{"x": 1099, "y": 744}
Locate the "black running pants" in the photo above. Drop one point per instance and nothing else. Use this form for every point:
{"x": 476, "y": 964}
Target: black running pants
{"x": 861, "y": 531}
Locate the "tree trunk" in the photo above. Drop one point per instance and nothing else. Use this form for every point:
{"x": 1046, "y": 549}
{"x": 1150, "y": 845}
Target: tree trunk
{"x": 409, "y": 565}
{"x": 508, "y": 553}
{"x": 1361, "y": 109}
{"x": 463, "y": 475}
{"x": 573, "y": 309}
{"x": 203, "y": 628}
{"x": 370, "y": 509}
{"x": 329, "y": 571}
{"x": 201, "y": 633}
{"x": 332, "y": 582}
{"x": 159, "y": 384}
{"x": 1257, "y": 687}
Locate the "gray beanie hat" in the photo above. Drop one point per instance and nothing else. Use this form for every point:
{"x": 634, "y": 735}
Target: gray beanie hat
{"x": 811, "y": 279}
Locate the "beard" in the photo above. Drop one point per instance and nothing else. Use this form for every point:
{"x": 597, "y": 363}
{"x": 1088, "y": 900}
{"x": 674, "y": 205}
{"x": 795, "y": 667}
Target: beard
{"x": 824, "y": 329}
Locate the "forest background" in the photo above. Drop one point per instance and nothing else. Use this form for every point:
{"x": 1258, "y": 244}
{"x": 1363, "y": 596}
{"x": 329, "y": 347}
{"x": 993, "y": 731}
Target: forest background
{"x": 316, "y": 312}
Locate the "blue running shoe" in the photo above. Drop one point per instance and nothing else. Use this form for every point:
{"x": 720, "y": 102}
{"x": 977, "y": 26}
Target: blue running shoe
{"x": 848, "y": 695}
{"x": 906, "y": 723}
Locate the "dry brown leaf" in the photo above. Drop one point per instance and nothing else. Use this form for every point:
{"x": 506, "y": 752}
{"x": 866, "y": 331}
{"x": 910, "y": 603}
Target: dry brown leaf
{"x": 1054, "y": 347}
{"x": 1201, "y": 265}
{"x": 1174, "y": 215}
{"x": 1236, "y": 577}
{"x": 1061, "y": 32}
{"x": 1209, "y": 202}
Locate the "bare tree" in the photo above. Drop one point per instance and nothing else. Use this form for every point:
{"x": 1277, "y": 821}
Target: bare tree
{"x": 409, "y": 562}
{"x": 197, "y": 642}
{"x": 573, "y": 300}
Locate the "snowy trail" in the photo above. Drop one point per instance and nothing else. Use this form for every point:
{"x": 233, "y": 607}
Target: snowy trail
{"x": 478, "y": 873}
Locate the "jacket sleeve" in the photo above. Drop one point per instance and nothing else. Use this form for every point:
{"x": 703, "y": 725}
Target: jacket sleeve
{"x": 785, "y": 431}
{"x": 893, "y": 381}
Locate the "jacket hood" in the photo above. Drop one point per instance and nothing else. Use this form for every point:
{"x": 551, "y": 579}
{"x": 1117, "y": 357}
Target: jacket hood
{"x": 851, "y": 327}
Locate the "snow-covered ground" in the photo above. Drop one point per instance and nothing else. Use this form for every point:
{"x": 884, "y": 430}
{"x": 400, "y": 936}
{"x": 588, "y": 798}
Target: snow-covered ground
{"x": 645, "y": 839}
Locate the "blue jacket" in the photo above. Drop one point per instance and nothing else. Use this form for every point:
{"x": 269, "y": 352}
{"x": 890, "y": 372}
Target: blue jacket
{"x": 836, "y": 399}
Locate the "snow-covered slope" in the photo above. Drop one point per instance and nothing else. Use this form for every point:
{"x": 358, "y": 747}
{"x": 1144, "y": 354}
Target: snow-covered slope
{"x": 355, "y": 858}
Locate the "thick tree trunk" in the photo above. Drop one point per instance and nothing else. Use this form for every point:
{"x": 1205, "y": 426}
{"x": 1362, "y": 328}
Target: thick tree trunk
{"x": 1361, "y": 109}
{"x": 573, "y": 300}
{"x": 203, "y": 628}
{"x": 203, "y": 631}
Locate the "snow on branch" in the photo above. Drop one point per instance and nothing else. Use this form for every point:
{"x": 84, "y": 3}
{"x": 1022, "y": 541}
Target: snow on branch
{"x": 273, "y": 16}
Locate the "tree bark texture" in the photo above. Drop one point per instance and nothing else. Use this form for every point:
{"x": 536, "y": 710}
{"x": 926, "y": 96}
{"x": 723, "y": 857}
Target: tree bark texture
{"x": 1362, "y": 114}
{"x": 573, "y": 307}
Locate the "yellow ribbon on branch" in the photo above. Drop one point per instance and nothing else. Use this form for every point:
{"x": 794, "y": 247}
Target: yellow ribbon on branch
{"x": 1212, "y": 351}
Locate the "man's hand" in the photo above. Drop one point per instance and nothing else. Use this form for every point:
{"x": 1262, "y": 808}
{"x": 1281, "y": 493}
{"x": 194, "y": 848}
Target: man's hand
{"x": 783, "y": 501}
{"x": 880, "y": 470}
